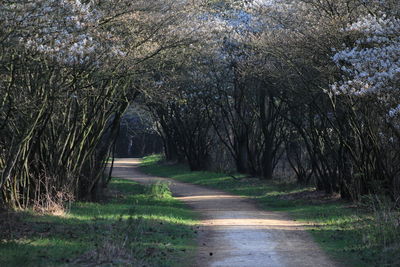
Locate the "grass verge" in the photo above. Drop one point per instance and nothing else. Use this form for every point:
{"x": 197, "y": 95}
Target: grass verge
{"x": 135, "y": 226}
{"x": 342, "y": 229}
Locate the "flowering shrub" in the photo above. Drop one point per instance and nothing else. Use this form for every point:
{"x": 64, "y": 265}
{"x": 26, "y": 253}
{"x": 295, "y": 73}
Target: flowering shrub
{"x": 64, "y": 30}
{"x": 372, "y": 66}
{"x": 67, "y": 71}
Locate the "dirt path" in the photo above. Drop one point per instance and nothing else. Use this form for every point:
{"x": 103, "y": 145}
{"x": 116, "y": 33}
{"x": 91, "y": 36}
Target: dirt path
{"x": 233, "y": 231}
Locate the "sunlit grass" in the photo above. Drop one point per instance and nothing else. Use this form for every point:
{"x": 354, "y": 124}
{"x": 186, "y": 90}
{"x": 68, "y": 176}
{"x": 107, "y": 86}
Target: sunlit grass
{"x": 155, "y": 231}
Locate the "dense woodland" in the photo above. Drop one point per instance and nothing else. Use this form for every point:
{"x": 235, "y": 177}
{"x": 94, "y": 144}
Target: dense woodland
{"x": 234, "y": 85}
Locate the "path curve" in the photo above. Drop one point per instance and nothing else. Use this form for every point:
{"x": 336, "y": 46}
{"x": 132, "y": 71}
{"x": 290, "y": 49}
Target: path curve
{"x": 233, "y": 231}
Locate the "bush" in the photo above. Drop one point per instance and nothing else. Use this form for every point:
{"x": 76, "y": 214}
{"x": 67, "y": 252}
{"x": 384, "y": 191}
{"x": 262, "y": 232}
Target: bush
{"x": 383, "y": 231}
{"x": 159, "y": 190}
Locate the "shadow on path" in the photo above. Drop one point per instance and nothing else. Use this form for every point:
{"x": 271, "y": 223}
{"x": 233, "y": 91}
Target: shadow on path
{"x": 233, "y": 231}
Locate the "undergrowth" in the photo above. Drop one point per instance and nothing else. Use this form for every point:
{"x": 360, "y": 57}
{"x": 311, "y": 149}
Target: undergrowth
{"x": 159, "y": 190}
{"x": 134, "y": 226}
{"x": 362, "y": 234}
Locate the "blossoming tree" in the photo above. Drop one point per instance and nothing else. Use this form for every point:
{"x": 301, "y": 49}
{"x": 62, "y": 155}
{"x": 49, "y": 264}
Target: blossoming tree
{"x": 68, "y": 71}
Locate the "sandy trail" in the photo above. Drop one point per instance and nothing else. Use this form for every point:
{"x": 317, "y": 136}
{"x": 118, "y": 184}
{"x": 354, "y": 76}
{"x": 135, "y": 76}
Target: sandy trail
{"x": 233, "y": 231}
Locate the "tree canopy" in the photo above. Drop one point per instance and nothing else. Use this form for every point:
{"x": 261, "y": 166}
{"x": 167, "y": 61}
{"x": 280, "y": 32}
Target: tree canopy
{"x": 309, "y": 88}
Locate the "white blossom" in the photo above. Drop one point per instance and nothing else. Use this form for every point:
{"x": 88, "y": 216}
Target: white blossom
{"x": 65, "y": 30}
{"x": 372, "y": 65}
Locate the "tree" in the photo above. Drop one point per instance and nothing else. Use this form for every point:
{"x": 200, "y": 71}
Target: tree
{"x": 68, "y": 71}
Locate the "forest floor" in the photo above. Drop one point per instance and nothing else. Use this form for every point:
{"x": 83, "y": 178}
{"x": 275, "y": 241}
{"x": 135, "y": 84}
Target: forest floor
{"x": 257, "y": 223}
{"x": 233, "y": 231}
{"x": 132, "y": 225}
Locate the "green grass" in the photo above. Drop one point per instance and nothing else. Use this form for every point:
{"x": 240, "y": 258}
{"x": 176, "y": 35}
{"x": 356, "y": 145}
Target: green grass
{"x": 336, "y": 225}
{"x": 136, "y": 225}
